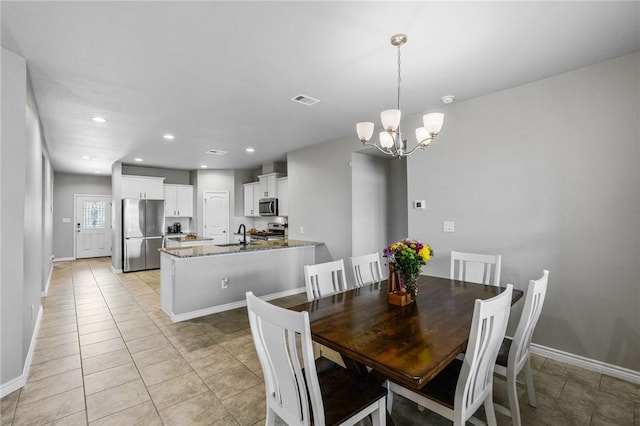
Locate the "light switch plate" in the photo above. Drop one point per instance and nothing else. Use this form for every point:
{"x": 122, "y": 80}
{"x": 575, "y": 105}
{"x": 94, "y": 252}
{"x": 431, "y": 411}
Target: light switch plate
{"x": 448, "y": 226}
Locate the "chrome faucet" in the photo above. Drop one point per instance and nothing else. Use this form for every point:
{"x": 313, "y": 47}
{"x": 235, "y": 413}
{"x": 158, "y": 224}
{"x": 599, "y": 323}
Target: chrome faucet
{"x": 244, "y": 234}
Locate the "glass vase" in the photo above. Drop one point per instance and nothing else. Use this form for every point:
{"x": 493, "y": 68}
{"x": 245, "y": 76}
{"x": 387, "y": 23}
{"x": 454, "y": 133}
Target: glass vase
{"x": 408, "y": 283}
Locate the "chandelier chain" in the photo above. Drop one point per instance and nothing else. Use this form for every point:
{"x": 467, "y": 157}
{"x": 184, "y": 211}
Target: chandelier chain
{"x": 399, "y": 78}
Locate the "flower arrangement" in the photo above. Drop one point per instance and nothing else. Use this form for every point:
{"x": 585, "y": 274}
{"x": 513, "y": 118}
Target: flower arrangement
{"x": 408, "y": 256}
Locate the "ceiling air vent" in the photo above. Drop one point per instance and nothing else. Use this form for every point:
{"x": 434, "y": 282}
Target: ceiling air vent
{"x": 305, "y": 100}
{"x": 216, "y": 152}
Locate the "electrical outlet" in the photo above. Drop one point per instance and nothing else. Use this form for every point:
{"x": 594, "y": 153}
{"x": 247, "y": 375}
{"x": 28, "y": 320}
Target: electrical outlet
{"x": 302, "y": 229}
{"x": 419, "y": 204}
{"x": 225, "y": 282}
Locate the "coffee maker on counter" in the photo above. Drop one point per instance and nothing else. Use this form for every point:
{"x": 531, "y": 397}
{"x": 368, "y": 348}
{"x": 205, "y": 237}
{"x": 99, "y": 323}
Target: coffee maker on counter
{"x": 176, "y": 228}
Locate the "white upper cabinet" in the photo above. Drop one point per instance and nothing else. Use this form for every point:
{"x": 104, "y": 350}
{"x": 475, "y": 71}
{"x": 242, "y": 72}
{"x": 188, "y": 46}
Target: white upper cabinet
{"x": 282, "y": 185}
{"x": 178, "y": 200}
{"x": 268, "y": 187}
{"x": 143, "y": 187}
{"x": 251, "y": 198}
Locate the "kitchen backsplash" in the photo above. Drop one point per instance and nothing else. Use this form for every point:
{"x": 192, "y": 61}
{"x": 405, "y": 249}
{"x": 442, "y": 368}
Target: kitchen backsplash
{"x": 184, "y": 222}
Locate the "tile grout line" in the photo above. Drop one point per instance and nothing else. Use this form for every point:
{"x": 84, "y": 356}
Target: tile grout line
{"x": 126, "y": 347}
{"x": 84, "y": 392}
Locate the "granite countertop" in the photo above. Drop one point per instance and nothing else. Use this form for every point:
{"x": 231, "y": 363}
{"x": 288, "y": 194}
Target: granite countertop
{"x": 212, "y": 250}
{"x": 183, "y": 237}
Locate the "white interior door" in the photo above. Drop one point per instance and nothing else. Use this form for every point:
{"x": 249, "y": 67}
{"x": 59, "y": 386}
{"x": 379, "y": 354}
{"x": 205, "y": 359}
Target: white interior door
{"x": 216, "y": 216}
{"x": 93, "y": 226}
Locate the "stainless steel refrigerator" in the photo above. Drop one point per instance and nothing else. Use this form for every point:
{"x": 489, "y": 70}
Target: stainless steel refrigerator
{"x": 143, "y": 233}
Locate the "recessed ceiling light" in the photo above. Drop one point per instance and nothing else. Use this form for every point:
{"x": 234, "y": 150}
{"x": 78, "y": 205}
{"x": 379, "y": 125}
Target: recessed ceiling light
{"x": 139, "y": 160}
{"x": 204, "y": 166}
{"x": 250, "y": 150}
{"x": 99, "y": 119}
{"x": 86, "y": 157}
{"x": 169, "y": 136}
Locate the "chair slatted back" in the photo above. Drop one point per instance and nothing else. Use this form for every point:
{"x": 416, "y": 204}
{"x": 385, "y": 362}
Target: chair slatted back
{"x": 278, "y": 333}
{"x": 476, "y": 268}
{"x": 324, "y": 279}
{"x": 533, "y": 303}
{"x": 490, "y": 318}
{"x": 366, "y": 269}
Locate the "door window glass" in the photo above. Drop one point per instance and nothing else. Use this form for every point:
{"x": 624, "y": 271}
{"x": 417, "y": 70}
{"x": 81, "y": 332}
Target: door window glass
{"x": 94, "y": 214}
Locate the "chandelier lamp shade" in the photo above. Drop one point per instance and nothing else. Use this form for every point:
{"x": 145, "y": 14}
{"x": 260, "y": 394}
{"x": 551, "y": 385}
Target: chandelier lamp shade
{"x": 390, "y": 138}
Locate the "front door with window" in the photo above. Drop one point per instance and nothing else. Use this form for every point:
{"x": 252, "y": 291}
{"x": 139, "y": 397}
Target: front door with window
{"x": 93, "y": 226}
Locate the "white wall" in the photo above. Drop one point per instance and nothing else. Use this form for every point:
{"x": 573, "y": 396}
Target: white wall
{"x": 212, "y": 180}
{"x": 547, "y": 175}
{"x": 25, "y": 184}
{"x": 66, "y": 186}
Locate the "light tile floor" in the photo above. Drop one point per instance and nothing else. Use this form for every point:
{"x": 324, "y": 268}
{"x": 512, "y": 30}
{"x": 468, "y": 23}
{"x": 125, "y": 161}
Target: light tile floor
{"x": 107, "y": 355}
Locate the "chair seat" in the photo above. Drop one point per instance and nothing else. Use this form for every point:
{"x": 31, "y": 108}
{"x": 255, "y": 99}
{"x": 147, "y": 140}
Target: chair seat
{"x": 503, "y": 354}
{"x": 344, "y": 392}
{"x": 442, "y": 388}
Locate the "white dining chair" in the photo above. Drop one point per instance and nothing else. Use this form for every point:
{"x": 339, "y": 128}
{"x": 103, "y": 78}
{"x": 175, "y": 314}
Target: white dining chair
{"x": 476, "y": 268}
{"x": 296, "y": 391}
{"x": 463, "y": 386}
{"x": 366, "y": 269}
{"x": 513, "y": 356}
{"x": 324, "y": 279}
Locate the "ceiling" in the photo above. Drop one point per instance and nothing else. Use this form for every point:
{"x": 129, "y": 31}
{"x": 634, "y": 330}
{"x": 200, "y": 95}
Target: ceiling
{"x": 220, "y": 75}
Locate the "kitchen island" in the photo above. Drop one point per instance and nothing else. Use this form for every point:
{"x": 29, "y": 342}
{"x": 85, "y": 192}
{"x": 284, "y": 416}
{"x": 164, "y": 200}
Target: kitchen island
{"x": 202, "y": 280}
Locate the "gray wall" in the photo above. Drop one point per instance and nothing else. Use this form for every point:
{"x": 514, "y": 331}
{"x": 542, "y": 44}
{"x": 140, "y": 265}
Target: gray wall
{"x": 66, "y": 186}
{"x": 370, "y": 206}
{"x": 547, "y": 175}
{"x": 172, "y": 176}
{"x": 25, "y": 183}
{"x": 397, "y": 192}
{"x": 320, "y": 196}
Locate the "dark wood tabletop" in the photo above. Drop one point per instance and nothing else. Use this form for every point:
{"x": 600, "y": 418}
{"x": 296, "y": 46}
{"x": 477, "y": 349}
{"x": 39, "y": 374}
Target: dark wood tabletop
{"x": 409, "y": 344}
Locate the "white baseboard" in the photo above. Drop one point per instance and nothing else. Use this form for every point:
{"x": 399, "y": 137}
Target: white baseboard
{"x": 228, "y": 306}
{"x": 114, "y": 270}
{"x": 46, "y": 287}
{"x": 587, "y": 363}
{"x": 63, "y": 259}
{"x": 15, "y": 384}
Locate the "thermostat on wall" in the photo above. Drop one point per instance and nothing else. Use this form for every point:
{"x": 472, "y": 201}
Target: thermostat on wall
{"x": 419, "y": 204}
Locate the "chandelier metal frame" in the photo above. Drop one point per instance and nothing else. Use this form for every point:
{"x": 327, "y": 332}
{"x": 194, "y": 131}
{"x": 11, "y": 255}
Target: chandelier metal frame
{"x": 391, "y": 141}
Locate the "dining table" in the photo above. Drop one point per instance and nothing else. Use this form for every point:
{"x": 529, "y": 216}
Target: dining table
{"x": 408, "y": 344}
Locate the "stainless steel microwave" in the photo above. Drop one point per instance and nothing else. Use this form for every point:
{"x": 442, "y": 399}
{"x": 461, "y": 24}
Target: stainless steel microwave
{"x": 268, "y": 207}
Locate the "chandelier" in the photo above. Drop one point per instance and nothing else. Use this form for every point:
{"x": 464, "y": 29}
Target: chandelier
{"x": 391, "y": 141}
